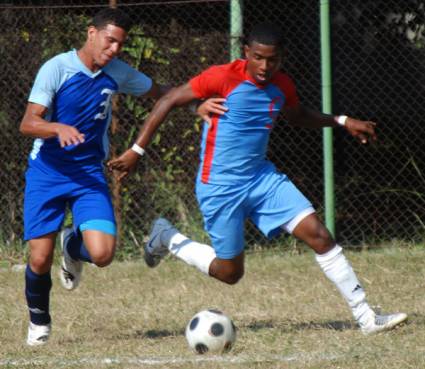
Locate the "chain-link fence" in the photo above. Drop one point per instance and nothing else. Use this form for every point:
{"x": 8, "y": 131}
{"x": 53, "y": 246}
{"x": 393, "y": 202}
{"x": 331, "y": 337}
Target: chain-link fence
{"x": 378, "y": 69}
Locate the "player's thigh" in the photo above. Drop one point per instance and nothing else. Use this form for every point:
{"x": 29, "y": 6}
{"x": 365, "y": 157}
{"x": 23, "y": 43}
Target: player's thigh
{"x": 275, "y": 202}
{"x": 224, "y": 220}
{"x": 44, "y": 204}
{"x": 92, "y": 203}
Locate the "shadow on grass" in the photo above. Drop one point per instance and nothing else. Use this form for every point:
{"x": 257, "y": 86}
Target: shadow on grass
{"x": 336, "y": 325}
{"x": 286, "y": 327}
{"x": 150, "y": 334}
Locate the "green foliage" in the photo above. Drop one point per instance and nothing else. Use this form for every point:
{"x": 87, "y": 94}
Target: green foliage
{"x": 62, "y": 34}
{"x": 140, "y": 47}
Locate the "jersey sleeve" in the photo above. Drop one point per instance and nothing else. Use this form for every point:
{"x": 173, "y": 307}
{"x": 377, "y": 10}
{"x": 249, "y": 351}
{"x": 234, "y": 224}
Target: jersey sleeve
{"x": 287, "y": 86}
{"x": 46, "y": 83}
{"x": 208, "y": 83}
{"x": 130, "y": 80}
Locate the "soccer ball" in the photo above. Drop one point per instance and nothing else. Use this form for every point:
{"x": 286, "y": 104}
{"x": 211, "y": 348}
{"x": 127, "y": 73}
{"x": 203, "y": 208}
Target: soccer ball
{"x": 210, "y": 331}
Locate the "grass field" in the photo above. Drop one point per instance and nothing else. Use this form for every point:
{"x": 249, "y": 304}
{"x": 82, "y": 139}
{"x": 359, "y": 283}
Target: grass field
{"x": 287, "y": 313}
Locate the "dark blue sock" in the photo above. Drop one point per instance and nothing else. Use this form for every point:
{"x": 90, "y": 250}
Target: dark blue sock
{"x": 76, "y": 248}
{"x": 37, "y": 292}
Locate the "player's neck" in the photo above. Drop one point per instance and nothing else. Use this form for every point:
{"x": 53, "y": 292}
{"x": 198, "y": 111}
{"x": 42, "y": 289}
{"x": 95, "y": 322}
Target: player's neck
{"x": 87, "y": 59}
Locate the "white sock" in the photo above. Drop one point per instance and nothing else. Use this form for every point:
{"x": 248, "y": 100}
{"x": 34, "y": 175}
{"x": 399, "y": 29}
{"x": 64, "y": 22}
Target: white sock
{"x": 339, "y": 271}
{"x": 193, "y": 253}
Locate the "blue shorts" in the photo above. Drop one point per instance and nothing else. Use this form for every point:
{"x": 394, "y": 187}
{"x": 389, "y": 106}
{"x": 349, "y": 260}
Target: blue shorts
{"x": 270, "y": 200}
{"x": 48, "y": 194}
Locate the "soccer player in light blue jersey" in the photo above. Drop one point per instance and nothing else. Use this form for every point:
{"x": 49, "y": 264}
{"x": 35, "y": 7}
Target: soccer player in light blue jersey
{"x": 236, "y": 182}
{"x": 68, "y": 112}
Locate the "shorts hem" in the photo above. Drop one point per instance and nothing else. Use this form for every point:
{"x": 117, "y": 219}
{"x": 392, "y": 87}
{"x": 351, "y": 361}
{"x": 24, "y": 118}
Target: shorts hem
{"x": 228, "y": 256}
{"x": 38, "y": 235}
{"x": 278, "y": 228}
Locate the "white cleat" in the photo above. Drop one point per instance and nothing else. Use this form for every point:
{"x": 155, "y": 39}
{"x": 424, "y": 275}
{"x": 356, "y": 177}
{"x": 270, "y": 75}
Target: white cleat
{"x": 70, "y": 272}
{"x": 155, "y": 250}
{"x": 38, "y": 334}
{"x": 380, "y": 323}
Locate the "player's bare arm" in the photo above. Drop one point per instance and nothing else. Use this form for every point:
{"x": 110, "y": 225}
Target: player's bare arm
{"x": 34, "y": 125}
{"x": 299, "y": 116}
{"x": 178, "y": 96}
{"x": 213, "y": 105}
{"x": 157, "y": 90}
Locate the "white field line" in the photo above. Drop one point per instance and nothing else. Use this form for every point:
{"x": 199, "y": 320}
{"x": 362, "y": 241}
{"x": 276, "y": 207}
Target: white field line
{"x": 152, "y": 361}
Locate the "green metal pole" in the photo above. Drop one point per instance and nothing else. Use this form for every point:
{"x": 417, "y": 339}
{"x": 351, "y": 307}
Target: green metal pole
{"x": 236, "y": 17}
{"x": 325, "y": 47}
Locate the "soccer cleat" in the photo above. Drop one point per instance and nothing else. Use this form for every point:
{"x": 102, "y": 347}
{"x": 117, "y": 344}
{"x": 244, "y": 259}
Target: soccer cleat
{"x": 155, "y": 250}
{"x": 38, "y": 334}
{"x": 380, "y": 323}
{"x": 70, "y": 272}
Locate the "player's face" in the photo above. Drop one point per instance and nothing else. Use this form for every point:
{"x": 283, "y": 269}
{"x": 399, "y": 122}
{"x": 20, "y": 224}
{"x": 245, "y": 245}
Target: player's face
{"x": 263, "y": 61}
{"x": 106, "y": 43}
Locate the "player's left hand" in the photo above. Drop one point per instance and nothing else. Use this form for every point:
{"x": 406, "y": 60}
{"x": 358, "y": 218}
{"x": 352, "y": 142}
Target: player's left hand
{"x": 124, "y": 164}
{"x": 213, "y": 105}
{"x": 363, "y": 131}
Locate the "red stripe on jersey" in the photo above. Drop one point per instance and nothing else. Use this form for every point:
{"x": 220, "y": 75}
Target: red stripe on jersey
{"x": 209, "y": 149}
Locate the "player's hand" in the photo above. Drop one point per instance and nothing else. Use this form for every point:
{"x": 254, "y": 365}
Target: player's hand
{"x": 363, "y": 131}
{"x": 124, "y": 164}
{"x": 213, "y": 105}
{"x": 68, "y": 135}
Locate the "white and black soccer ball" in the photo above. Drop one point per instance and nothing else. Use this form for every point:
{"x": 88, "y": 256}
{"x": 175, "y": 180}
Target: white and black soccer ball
{"x": 210, "y": 331}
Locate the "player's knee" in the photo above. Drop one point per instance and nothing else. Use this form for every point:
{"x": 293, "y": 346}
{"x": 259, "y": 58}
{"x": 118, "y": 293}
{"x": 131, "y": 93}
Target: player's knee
{"x": 232, "y": 275}
{"x": 40, "y": 264}
{"x": 102, "y": 259}
{"x": 322, "y": 240}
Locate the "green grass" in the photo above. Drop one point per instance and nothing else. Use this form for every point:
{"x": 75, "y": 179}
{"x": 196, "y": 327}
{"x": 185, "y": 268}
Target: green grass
{"x": 287, "y": 313}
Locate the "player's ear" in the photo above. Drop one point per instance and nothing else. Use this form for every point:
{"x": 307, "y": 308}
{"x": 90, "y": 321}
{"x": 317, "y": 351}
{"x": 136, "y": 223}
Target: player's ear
{"x": 246, "y": 49}
{"x": 91, "y": 32}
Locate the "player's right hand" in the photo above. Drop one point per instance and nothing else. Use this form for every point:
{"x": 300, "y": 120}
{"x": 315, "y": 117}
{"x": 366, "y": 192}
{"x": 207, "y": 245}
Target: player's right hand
{"x": 69, "y": 135}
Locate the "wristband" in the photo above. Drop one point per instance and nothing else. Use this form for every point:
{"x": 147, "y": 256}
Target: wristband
{"x": 341, "y": 119}
{"x": 138, "y": 149}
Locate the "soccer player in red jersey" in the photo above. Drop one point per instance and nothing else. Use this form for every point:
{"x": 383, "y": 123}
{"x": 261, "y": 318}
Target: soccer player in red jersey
{"x": 235, "y": 180}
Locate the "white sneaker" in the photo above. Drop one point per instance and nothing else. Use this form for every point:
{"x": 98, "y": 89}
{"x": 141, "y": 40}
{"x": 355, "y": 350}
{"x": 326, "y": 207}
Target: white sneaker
{"x": 155, "y": 250}
{"x": 380, "y": 323}
{"x": 38, "y": 334}
{"x": 70, "y": 272}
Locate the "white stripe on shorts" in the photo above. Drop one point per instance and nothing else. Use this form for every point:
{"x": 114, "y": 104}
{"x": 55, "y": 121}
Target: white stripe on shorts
{"x": 290, "y": 226}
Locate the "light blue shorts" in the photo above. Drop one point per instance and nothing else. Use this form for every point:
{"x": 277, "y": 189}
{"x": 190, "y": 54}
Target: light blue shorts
{"x": 270, "y": 201}
{"x": 47, "y": 196}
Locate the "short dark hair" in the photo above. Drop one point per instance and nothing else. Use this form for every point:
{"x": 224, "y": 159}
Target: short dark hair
{"x": 266, "y": 33}
{"x": 112, "y": 16}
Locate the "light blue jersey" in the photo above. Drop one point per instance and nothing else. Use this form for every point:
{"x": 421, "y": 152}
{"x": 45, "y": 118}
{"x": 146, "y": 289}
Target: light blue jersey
{"x": 235, "y": 180}
{"x": 76, "y": 96}
{"x": 73, "y": 176}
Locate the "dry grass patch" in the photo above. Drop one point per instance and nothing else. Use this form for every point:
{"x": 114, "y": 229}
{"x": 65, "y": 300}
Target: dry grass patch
{"x": 287, "y": 313}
